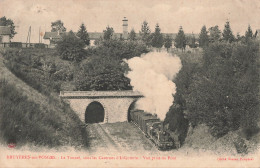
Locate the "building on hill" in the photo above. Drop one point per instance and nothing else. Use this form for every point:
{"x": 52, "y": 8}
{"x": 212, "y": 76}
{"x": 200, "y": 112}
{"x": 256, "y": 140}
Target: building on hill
{"x": 97, "y": 35}
{"x": 5, "y": 33}
{"x": 51, "y": 38}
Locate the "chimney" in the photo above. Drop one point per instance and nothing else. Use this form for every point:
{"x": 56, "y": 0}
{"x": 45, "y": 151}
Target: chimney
{"x": 125, "y": 28}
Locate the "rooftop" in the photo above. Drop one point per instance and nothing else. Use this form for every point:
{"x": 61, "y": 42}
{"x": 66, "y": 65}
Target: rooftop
{"x": 54, "y": 35}
{"x": 5, "y": 30}
{"x": 92, "y": 35}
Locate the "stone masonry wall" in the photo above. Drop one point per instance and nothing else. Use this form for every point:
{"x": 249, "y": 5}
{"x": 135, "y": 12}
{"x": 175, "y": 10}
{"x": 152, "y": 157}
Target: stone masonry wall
{"x": 116, "y": 109}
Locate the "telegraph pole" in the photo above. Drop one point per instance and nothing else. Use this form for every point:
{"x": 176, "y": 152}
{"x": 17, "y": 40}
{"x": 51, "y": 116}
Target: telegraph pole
{"x": 28, "y": 37}
{"x": 40, "y": 34}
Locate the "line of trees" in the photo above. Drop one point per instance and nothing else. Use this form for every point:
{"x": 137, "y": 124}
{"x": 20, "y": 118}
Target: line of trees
{"x": 157, "y": 40}
{"x": 221, "y": 89}
{"x": 214, "y": 34}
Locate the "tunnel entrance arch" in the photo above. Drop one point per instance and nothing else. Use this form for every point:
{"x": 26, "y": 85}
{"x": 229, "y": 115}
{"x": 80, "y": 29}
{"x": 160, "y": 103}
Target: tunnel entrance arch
{"x": 95, "y": 113}
{"x": 115, "y": 104}
{"x": 131, "y": 107}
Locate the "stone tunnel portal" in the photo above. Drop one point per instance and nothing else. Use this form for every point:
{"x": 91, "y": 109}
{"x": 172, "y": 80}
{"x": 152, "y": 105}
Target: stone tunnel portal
{"x": 131, "y": 107}
{"x": 102, "y": 106}
{"x": 95, "y": 113}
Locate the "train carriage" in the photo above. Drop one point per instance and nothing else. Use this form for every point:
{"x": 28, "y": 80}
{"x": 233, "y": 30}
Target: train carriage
{"x": 153, "y": 128}
{"x": 135, "y": 116}
{"x": 146, "y": 118}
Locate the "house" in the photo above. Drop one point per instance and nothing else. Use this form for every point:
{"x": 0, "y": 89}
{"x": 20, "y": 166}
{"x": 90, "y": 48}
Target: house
{"x": 51, "y": 38}
{"x": 97, "y": 35}
{"x": 5, "y": 33}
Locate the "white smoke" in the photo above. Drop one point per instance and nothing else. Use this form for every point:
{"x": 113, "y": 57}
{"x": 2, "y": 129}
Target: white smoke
{"x": 152, "y": 75}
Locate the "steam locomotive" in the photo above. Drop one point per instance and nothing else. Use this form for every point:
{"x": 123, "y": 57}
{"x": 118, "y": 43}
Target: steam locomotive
{"x": 153, "y": 128}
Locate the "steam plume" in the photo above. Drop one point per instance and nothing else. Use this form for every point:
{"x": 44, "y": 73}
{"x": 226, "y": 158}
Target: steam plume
{"x": 152, "y": 75}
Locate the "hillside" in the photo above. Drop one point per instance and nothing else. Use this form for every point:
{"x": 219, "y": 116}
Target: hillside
{"x": 222, "y": 82}
{"x": 36, "y": 119}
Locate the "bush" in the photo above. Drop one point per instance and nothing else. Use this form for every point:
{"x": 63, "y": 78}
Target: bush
{"x": 176, "y": 117}
{"x": 63, "y": 75}
{"x": 16, "y": 44}
{"x": 101, "y": 73}
{"x": 38, "y": 68}
{"x": 104, "y": 70}
{"x": 177, "y": 122}
{"x": 71, "y": 47}
{"x": 39, "y": 45}
{"x": 119, "y": 49}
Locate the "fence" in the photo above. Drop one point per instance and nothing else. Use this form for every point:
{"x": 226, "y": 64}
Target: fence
{"x": 23, "y": 45}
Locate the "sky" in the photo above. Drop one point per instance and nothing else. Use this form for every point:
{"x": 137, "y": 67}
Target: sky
{"x": 98, "y": 14}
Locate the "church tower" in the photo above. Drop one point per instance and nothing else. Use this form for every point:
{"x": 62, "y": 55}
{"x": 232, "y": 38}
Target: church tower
{"x": 125, "y": 28}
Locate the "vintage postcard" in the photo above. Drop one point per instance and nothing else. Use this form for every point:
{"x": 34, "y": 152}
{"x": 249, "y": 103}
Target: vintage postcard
{"x": 129, "y": 83}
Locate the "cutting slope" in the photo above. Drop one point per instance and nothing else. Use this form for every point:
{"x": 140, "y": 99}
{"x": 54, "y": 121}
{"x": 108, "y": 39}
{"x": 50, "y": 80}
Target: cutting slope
{"x": 29, "y": 117}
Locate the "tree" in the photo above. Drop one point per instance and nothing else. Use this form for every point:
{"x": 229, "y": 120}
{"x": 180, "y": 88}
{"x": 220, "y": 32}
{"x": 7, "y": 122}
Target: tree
{"x": 168, "y": 42}
{"x": 145, "y": 33}
{"x": 157, "y": 37}
{"x": 178, "y": 123}
{"x": 214, "y": 34}
{"x": 118, "y": 49}
{"x": 256, "y": 33}
{"x": 203, "y": 37}
{"x": 98, "y": 41}
{"x": 71, "y": 47}
{"x": 57, "y": 26}
{"x": 132, "y": 35}
{"x": 83, "y": 34}
{"x": 238, "y": 38}
{"x": 180, "y": 40}
{"x": 9, "y": 23}
{"x": 108, "y": 33}
{"x": 224, "y": 92}
{"x": 248, "y": 34}
{"x": 102, "y": 73}
{"x": 193, "y": 41}
{"x": 227, "y": 33}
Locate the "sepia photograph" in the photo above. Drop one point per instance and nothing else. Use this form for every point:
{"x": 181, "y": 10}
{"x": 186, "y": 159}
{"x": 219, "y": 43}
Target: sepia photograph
{"x": 129, "y": 83}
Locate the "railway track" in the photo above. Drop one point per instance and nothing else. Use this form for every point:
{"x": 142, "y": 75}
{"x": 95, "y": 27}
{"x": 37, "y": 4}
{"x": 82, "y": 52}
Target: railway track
{"x": 101, "y": 140}
{"x": 154, "y": 149}
{"x": 103, "y": 137}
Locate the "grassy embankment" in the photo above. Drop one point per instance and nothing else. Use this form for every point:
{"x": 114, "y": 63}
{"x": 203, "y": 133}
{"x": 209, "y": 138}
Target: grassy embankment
{"x": 31, "y": 113}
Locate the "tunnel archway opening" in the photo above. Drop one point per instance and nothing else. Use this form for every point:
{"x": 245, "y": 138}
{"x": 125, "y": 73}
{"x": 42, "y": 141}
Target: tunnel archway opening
{"x": 95, "y": 113}
{"x": 131, "y": 107}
